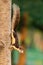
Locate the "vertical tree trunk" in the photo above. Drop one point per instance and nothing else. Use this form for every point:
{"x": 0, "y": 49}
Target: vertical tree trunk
{"x": 5, "y": 30}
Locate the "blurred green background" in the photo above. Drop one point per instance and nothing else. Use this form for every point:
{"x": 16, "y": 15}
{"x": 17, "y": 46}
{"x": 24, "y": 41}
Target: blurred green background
{"x": 34, "y": 8}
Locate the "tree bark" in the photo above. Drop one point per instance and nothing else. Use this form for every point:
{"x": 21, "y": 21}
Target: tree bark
{"x": 5, "y": 30}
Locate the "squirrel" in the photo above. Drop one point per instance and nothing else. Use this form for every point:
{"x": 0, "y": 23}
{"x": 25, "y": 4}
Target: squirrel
{"x": 15, "y": 21}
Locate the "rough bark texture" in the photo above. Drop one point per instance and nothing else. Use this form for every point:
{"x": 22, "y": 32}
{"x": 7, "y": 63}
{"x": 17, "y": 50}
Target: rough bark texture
{"x": 5, "y": 30}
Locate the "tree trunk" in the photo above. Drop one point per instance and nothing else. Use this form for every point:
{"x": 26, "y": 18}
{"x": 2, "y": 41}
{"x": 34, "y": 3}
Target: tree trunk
{"x": 5, "y": 30}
